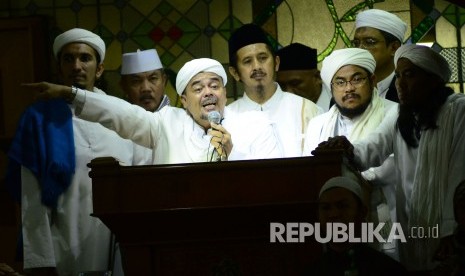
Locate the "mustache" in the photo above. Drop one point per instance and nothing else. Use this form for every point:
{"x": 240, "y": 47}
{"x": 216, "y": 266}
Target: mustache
{"x": 77, "y": 75}
{"x": 351, "y": 95}
{"x": 257, "y": 73}
{"x": 209, "y": 100}
{"x": 145, "y": 97}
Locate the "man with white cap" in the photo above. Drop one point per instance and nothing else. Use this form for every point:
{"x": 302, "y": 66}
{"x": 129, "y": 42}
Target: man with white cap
{"x": 60, "y": 235}
{"x": 427, "y": 138}
{"x": 253, "y": 62}
{"x": 381, "y": 33}
{"x": 179, "y": 135}
{"x": 143, "y": 79}
{"x": 341, "y": 201}
{"x": 358, "y": 109}
{"x": 357, "y": 112}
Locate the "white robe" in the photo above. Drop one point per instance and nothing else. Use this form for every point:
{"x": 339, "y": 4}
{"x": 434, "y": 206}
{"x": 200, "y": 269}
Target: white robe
{"x": 289, "y": 112}
{"x": 75, "y": 241}
{"x": 383, "y": 177}
{"x": 173, "y": 134}
{"x": 417, "y": 253}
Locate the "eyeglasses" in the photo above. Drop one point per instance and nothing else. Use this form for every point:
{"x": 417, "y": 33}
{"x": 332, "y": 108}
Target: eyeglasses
{"x": 366, "y": 43}
{"x": 355, "y": 82}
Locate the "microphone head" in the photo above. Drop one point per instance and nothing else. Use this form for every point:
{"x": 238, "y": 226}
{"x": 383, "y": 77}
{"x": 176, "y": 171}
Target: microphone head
{"x": 214, "y": 117}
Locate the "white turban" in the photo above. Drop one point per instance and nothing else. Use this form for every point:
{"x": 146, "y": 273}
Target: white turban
{"x": 342, "y": 57}
{"x": 77, "y": 35}
{"x": 425, "y": 58}
{"x": 343, "y": 182}
{"x": 382, "y": 20}
{"x": 193, "y": 67}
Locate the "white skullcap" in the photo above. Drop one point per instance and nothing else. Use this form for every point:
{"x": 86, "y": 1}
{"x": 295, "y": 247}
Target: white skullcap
{"x": 425, "y": 58}
{"x": 343, "y": 182}
{"x": 342, "y": 57}
{"x": 77, "y": 35}
{"x": 382, "y": 20}
{"x": 195, "y": 66}
{"x": 140, "y": 61}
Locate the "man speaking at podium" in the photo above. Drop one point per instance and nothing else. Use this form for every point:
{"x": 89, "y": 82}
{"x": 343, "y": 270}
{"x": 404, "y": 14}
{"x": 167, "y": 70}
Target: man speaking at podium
{"x": 180, "y": 135}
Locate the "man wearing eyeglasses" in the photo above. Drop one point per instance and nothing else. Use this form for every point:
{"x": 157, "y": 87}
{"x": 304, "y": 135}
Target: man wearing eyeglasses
{"x": 427, "y": 138}
{"x": 381, "y": 33}
{"x": 357, "y": 112}
{"x": 358, "y": 109}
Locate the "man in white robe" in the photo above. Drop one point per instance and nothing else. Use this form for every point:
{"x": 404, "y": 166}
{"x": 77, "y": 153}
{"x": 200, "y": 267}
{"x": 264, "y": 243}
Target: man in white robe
{"x": 65, "y": 239}
{"x": 181, "y": 135}
{"x": 143, "y": 81}
{"x": 428, "y": 141}
{"x": 358, "y": 111}
{"x": 381, "y": 33}
{"x": 253, "y": 63}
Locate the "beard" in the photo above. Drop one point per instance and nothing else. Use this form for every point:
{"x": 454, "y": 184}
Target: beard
{"x": 408, "y": 125}
{"x": 80, "y": 86}
{"x": 353, "y": 112}
{"x": 260, "y": 90}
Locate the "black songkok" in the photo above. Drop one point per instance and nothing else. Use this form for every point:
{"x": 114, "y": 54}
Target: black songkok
{"x": 297, "y": 56}
{"x": 245, "y": 35}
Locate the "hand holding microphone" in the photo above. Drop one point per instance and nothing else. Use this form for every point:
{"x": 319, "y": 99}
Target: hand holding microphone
{"x": 221, "y": 139}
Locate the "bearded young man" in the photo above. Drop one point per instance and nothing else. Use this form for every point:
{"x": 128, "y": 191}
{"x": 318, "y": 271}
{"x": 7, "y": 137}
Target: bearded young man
{"x": 428, "y": 141}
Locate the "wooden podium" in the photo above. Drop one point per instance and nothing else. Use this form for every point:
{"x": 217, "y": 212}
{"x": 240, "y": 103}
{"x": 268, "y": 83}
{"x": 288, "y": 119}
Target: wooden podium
{"x": 211, "y": 218}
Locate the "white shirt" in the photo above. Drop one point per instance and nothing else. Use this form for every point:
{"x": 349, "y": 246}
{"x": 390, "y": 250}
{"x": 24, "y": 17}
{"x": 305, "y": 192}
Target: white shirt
{"x": 325, "y": 98}
{"x": 172, "y": 133}
{"x": 75, "y": 241}
{"x": 289, "y": 112}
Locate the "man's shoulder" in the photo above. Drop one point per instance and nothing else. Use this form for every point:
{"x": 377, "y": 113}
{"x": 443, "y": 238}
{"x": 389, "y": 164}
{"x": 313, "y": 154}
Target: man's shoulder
{"x": 246, "y": 116}
{"x": 321, "y": 119}
{"x": 296, "y": 99}
{"x": 236, "y": 103}
{"x": 377, "y": 260}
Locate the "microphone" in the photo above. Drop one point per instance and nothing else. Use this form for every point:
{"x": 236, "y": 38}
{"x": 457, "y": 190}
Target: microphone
{"x": 215, "y": 117}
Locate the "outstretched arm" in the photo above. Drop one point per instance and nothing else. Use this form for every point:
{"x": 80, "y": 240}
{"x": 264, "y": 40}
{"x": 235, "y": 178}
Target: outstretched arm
{"x": 47, "y": 91}
{"x": 129, "y": 121}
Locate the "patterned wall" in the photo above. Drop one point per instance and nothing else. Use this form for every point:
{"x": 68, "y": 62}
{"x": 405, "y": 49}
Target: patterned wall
{"x": 184, "y": 29}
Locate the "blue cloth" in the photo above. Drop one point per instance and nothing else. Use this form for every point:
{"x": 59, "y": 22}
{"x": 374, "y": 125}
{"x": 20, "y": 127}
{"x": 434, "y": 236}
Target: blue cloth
{"x": 44, "y": 143}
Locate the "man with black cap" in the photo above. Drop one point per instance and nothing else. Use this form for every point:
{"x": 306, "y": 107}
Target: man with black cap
{"x": 252, "y": 61}
{"x": 381, "y": 33}
{"x": 60, "y": 235}
{"x": 298, "y": 73}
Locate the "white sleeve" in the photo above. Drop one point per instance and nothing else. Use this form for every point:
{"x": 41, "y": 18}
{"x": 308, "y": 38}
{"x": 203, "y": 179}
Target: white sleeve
{"x": 373, "y": 150}
{"x": 127, "y": 120}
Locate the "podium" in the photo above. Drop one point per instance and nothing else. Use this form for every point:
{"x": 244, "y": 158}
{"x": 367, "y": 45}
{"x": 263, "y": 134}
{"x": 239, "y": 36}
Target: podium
{"x": 211, "y": 218}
